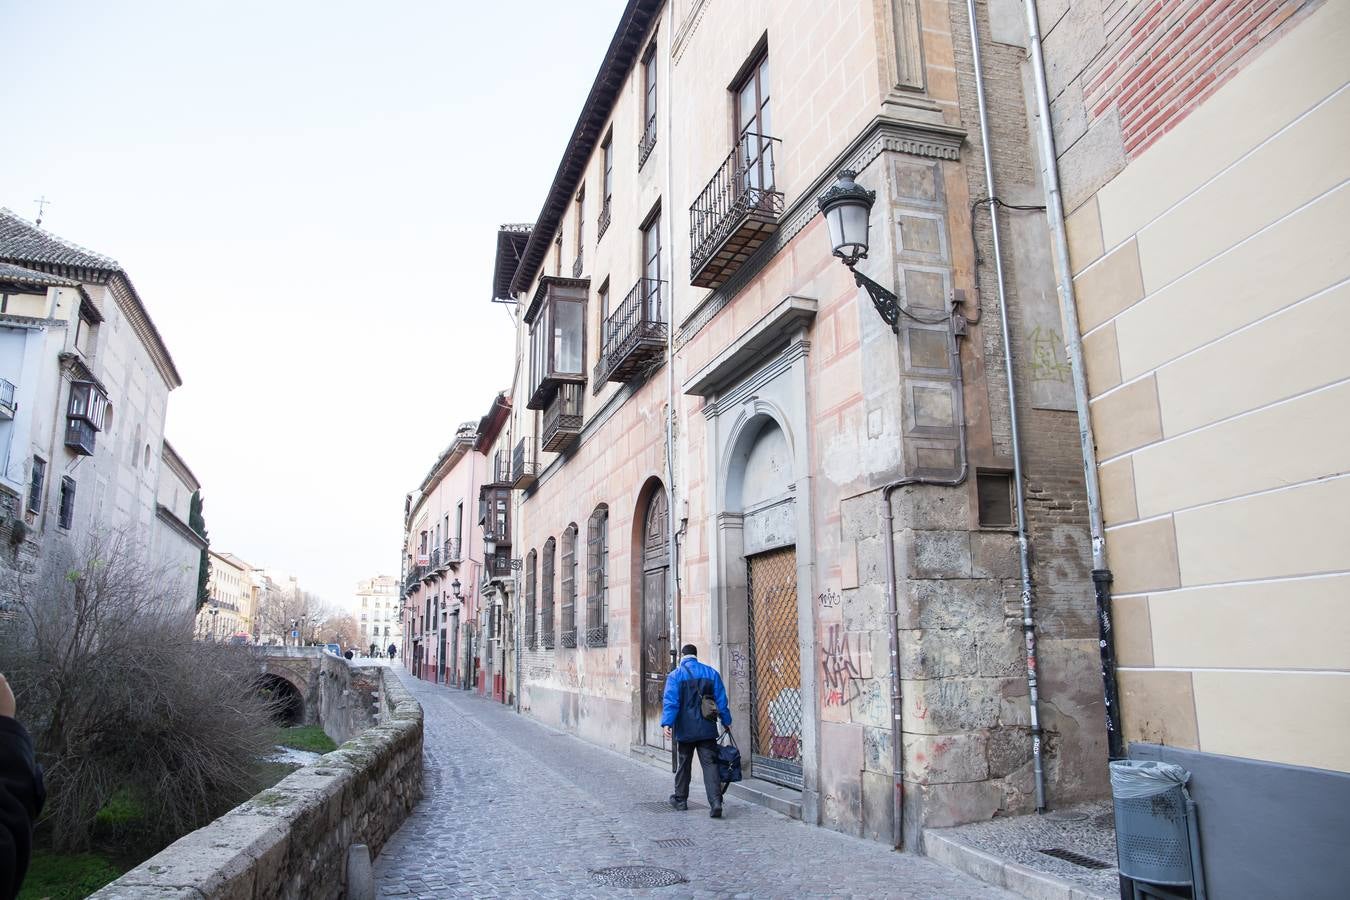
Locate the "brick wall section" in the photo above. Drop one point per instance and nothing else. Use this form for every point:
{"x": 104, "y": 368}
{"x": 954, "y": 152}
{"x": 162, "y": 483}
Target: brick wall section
{"x": 291, "y": 840}
{"x": 1163, "y": 58}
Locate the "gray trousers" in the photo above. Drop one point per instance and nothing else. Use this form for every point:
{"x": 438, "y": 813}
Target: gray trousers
{"x": 707, "y": 758}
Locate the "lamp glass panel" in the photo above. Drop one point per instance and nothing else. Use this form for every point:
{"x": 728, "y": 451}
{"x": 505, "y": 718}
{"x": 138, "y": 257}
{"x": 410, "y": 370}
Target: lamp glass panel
{"x": 853, "y": 224}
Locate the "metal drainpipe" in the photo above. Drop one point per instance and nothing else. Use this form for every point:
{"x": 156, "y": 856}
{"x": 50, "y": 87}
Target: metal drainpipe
{"x": 673, "y": 592}
{"x": 1059, "y": 244}
{"x": 893, "y": 606}
{"x": 1023, "y": 541}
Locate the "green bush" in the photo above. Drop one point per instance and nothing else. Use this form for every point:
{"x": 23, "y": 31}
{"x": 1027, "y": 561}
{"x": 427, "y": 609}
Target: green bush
{"x": 57, "y": 876}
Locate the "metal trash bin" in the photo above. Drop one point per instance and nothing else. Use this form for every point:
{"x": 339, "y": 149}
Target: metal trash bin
{"x": 1156, "y": 835}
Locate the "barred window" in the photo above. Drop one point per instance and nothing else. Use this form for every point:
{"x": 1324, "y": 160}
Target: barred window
{"x": 569, "y": 586}
{"x": 597, "y": 578}
{"x": 531, "y": 559}
{"x": 36, "y": 484}
{"x": 546, "y": 592}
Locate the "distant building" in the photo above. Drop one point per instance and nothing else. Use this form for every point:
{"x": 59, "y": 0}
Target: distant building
{"x": 84, "y": 386}
{"x": 375, "y": 609}
{"x": 228, "y": 611}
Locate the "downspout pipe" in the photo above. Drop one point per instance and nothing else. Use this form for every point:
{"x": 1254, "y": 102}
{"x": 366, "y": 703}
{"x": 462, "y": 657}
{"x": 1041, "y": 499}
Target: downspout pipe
{"x": 673, "y": 590}
{"x": 892, "y": 604}
{"x": 1073, "y": 340}
{"x": 1023, "y": 541}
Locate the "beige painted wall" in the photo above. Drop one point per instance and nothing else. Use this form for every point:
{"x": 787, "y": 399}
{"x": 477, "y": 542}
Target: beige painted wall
{"x": 1213, "y": 280}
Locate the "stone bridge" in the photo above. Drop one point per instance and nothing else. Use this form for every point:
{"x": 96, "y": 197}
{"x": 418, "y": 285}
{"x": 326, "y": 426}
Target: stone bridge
{"x": 313, "y": 833}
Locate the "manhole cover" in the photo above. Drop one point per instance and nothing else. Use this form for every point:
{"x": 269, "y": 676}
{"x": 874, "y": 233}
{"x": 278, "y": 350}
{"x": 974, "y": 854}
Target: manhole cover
{"x": 1077, "y": 859}
{"x": 1063, "y": 816}
{"x": 664, "y": 807}
{"x": 637, "y": 876}
{"x": 673, "y": 842}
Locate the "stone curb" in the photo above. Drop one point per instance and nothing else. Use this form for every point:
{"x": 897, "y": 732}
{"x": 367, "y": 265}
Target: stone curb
{"x": 1002, "y": 872}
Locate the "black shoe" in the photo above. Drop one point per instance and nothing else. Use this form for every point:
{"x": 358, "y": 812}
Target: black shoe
{"x": 678, "y": 804}
{"x": 715, "y": 812}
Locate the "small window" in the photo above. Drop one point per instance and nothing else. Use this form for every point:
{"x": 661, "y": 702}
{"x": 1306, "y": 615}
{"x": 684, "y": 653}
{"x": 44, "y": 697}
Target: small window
{"x": 36, "y": 484}
{"x": 597, "y": 578}
{"x": 648, "y": 140}
{"x": 995, "y": 497}
{"x": 569, "y": 586}
{"x": 546, "y": 593}
{"x": 67, "y": 513}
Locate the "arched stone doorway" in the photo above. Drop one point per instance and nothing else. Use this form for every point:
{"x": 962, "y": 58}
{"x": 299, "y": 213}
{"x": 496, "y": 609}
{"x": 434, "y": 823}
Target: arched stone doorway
{"x": 652, "y": 565}
{"x": 761, "y": 614}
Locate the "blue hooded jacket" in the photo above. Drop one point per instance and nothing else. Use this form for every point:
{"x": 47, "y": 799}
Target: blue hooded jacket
{"x": 682, "y": 707}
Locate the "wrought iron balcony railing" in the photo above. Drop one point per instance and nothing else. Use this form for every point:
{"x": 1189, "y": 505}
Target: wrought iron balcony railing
{"x": 438, "y": 558}
{"x": 452, "y": 552}
{"x": 603, "y": 222}
{"x": 6, "y": 399}
{"x": 524, "y": 464}
{"x": 80, "y": 436}
{"x": 648, "y": 142}
{"x": 569, "y": 637}
{"x": 578, "y": 265}
{"x": 634, "y": 333}
{"x": 562, "y": 418}
{"x": 735, "y": 213}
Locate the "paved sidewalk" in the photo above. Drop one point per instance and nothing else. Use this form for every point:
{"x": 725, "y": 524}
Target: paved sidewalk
{"x": 513, "y": 808}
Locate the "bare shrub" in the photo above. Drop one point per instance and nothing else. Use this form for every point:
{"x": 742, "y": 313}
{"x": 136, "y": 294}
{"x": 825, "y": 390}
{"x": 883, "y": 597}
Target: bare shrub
{"x": 122, "y": 702}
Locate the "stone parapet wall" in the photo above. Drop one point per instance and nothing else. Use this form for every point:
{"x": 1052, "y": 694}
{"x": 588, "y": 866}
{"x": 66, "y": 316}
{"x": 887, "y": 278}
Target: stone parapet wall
{"x": 291, "y": 840}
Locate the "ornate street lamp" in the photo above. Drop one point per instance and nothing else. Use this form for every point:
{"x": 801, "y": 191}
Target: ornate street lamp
{"x": 456, "y": 590}
{"x": 847, "y": 207}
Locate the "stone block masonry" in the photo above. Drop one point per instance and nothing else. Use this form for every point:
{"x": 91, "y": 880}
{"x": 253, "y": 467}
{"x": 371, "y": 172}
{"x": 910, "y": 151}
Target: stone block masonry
{"x": 291, "y": 841}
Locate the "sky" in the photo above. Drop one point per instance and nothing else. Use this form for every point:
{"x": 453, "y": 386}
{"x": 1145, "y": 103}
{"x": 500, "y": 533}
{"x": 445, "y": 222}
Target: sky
{"x": 306, "y": 195}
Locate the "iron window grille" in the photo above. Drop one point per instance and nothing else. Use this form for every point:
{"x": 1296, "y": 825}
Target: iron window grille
{"x": 546, "y": 593}
{"x": 36, "y": 484}
{"x": 531, "y": 621}
{"x": 66, "y": 516}
{"x": 569, "y": 587}
{"x": 597, "y": 578}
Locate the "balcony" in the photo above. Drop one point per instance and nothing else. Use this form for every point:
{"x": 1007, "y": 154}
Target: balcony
{"x": 736, "y": 213}
{"x": 450, "y": 552}
{"x": 602, "y": 224}
{"x": 495, "y": 515}
{"x": 634, "y": 334}
{"x": 524, "y": 464}
{"x": 84, "y": 416}
{"x": 497, "y": 565}
{"x": 578, "y": 265}
{"x": 562, "y": 419}
{"x": 80, "y": 436}
{"x": 413, "y": 581}
{"x": 557, "y": 321}
{"x": 501, "y": 469}
{"x": 6, "y": 399}
{"x": 647, "y": 143}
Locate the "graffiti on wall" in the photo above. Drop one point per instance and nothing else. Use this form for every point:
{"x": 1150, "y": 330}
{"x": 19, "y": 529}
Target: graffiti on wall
{"x": 842, "y": 663}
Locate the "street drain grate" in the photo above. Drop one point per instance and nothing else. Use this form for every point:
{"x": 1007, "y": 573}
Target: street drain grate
{"x": 1077, "y": 859}
{"x": 637, "y": 876}
{"x": 662, "y": 806}
{"x": 673, "y": 842}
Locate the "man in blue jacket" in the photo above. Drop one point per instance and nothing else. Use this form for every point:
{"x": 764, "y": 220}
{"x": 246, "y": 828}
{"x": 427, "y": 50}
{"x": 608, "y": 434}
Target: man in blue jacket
{"x": 683, "y": 719}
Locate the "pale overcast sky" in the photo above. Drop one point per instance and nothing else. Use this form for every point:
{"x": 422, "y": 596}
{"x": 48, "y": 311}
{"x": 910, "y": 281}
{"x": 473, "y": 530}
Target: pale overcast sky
{"x": 306, "y": 195}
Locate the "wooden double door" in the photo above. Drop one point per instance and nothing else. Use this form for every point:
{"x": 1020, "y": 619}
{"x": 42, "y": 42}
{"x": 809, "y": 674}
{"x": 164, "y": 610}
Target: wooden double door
{"x": 657, "y": 660}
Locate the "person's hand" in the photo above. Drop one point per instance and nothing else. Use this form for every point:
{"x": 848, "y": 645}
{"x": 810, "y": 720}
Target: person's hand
{"x": 6, "y": 699}
{"x": 666, "y": 730}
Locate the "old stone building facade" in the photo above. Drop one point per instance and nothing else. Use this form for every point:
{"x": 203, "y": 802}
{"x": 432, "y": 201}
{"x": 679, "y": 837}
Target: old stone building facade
{"x": 864, "y": 498}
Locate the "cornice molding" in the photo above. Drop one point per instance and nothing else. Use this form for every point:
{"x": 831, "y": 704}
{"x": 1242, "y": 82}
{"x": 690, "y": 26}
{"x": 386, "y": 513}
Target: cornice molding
{"x": 166, "y": 515}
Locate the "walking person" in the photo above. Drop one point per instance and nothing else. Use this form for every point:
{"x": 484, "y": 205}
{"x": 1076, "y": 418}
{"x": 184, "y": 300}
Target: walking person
{"x": 21, "y": 796}
{"x": 393, "y": 651}
{"x": 695, "y": 699}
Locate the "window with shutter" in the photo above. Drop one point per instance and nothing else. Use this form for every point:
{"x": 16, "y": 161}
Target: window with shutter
{"x": 530, "y": 626}
{"x": 597, "y": 578}
{"x": 569, "y": 586}
{"x": 546, "y": 592}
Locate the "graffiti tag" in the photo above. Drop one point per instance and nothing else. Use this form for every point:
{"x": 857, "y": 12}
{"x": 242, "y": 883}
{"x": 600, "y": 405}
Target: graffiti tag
{"x": 840, "y": 656}
{"x": 1047, "y": 360}
{"x": 828, "y": 599}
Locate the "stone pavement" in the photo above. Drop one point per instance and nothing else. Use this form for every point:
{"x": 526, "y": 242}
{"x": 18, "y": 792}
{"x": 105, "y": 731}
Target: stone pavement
{"x": 513, "y": 808}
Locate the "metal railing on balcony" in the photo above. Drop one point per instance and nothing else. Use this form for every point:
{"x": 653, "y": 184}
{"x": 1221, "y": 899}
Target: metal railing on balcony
{"x": 602, "y": 223}
{"x": 501, "y": 467}
{"x": 438, "y": 558}
{"x": 497, "y": 565}
{"x": 634, "y": 333}
{"x": 578, "y": 265}
{"x": 562, "y": 418}
{"x": 451, "y": 552}
{"x": 524, "y": 464}
{"x": 80, "y": 436}
{"x": 569, "y": 637}
{"x": 648, "y": 141}
{"x": 736, "y": 212}
{"x": 7, "y": 398}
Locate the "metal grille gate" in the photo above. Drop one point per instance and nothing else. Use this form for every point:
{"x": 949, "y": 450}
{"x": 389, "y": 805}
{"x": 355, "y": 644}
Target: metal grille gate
{"x": 775, "y": 668}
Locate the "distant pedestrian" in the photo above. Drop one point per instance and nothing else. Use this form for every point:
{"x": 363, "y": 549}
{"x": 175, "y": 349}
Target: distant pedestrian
{"x": 21, "y": 795}
{"x": 694, "y": 701}
{"x": 374, "y": 651}
{"x": 348, "y": 654}
{"x": 393, "y": 651}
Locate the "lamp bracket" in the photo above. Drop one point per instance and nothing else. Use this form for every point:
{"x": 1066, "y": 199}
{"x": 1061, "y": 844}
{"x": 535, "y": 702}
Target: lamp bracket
{"x": 891, "y": 309}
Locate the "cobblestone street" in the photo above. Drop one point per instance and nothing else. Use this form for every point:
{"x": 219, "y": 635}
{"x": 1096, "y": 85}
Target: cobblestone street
{"x": 513, "y": 808}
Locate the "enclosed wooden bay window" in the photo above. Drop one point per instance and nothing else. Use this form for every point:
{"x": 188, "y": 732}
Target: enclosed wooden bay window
{"x": 557, "y": 323}
{"x": 84, "y": 416}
